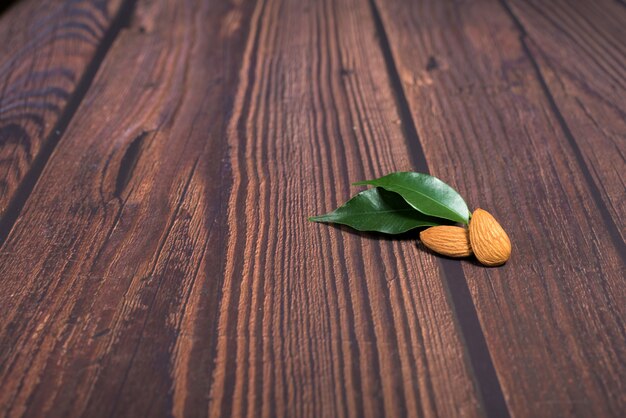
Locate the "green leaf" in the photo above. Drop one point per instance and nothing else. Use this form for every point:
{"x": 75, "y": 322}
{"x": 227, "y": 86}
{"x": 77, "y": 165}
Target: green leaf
{"x": 425, "y": 193}
{"x": 377, "y": 210}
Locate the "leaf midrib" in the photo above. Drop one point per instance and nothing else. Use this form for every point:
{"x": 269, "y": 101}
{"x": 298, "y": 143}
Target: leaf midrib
{"x": 373, "y": 212}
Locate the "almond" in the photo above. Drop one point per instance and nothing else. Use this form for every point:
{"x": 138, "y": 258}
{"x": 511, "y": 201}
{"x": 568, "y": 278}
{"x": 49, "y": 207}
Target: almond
{"x": 452, "y": 241}
{"x": 490, "y": 243}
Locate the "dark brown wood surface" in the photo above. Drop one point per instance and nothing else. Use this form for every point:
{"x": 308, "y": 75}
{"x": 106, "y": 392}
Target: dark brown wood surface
{"x": 484, "y": 120}
{"x": 578, "y": 55}
{"x": 49, "y": 52}
{"x": 155, "y": 255}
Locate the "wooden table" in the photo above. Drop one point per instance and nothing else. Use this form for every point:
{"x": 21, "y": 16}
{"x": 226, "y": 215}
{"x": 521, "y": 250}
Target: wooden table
{"x": 158, "y": 160}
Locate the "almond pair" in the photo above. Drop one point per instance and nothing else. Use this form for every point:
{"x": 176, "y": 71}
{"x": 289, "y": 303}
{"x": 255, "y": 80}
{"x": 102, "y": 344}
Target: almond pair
{"x": 485, "y": 239}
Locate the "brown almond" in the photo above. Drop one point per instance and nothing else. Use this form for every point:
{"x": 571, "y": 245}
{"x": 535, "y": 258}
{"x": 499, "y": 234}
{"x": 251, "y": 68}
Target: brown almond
{"x": 490, "y": 243}
{"x": 452, "y": 241}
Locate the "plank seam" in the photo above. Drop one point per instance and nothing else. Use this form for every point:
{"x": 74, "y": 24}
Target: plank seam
{"x": 7, "y": 5}
{"x": 455, "y": 282}
{"x": 24, "y": 190}
{"x": 580, "y": 159}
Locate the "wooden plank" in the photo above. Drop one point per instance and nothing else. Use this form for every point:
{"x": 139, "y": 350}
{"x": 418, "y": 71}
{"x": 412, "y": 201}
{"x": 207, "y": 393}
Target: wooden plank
{"x": 580, "y": 54}
{"x": 319, "y": 321}
{"x": 45, "y": 51}
{"x": 124, "y": 224}
{"x": 553, "y": 316}
{"x": 119, "y": 294}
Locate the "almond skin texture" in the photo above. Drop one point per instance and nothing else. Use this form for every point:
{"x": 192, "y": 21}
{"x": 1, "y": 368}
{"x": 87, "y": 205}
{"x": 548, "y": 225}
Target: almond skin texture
{"x": 490, "y": 243}
{"x": 452, "y": 241}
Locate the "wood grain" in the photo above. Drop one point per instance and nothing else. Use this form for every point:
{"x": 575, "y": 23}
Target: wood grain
{"x": 45, "y": 53}
{"x": 98, "y": 272}
{"x": 553, "y": 316}
{"x": 320, "y": 321}
{"x": 580, "y": 53}
{"x": 155, "y": 257}
{"x": 137, "y": 284}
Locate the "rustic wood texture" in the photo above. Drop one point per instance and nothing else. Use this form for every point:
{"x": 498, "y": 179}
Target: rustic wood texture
{"x": 146, "y": 290}
{"x": 579, "y": 48}
{"x": 98, "y": 272}
{"x": 162, "y": 264}
{"x": 45, "y": 56}
{"x": 327, "y": 322}
{"x": 553, "y": 316}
